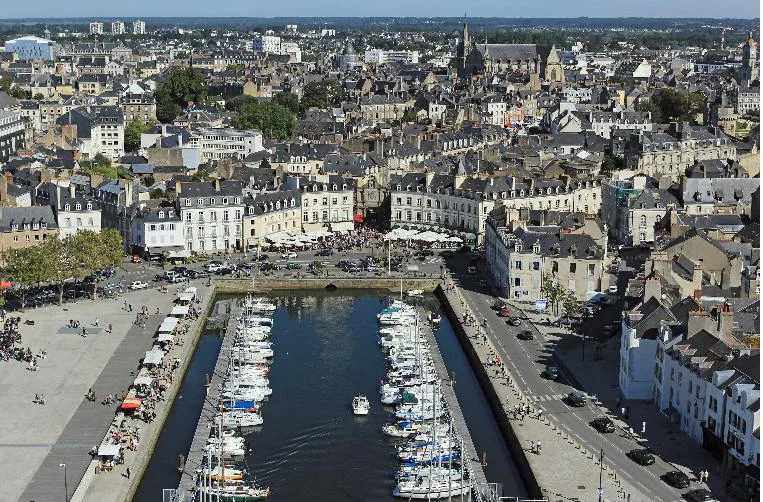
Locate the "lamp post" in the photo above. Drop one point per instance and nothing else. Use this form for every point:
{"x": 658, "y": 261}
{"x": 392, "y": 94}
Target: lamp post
{"x": 601, "y": 472}
{"x": 66, "y": 483}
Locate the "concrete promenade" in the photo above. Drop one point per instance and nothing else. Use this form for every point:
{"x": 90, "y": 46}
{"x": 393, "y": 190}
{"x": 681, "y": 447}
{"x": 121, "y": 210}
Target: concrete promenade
{"x": 564, "y": 470}
{"x": 36, "y": 439}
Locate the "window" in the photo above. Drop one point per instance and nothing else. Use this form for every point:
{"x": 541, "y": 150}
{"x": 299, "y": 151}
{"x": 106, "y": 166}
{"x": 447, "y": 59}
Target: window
{"x": 573, "y": 268}
{"x": 518, "y": 264}
{"x": 200, "y": 202}
{"x": 591, "y": 269}
{"x": 536, "y": 265}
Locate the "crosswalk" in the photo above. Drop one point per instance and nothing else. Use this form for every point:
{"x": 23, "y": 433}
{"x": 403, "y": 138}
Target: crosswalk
{"x": 545, "y": 398}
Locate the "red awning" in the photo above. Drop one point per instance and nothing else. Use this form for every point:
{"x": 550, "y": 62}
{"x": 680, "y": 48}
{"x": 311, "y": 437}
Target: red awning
{"x": 131, "y": 403}
{"x": 359, "y": 218}
{"x": 6, "y": 284}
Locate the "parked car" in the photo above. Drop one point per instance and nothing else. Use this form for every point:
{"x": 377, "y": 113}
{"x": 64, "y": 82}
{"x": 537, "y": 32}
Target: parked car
{"x": 214, "y": 266}
{"x": 514, "y": 321}
{"x": 551, "y": 372}
{"x": 135, "y": 259}
{"x": 290, "y": 255}
{"x": 224, "y": 271}
{"x": 676, "y": 479}
{"x": 197, "y": 274}
{"x": 603, "y": 424}
{"x": 641, "y": 456}
{"x": 138, "y": 285}
{"x": 325, "y": 252}
{"x": 293, "y": 265}
{"x": 525, "y": 335}
{"x": 577, "y": 398}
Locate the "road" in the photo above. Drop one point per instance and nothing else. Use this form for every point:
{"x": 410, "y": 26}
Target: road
{"x": 528, "y": 359}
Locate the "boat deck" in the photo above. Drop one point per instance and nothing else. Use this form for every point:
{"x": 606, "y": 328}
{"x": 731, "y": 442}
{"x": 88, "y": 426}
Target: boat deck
{"x": 187, "y": 484}
{"x": 473, "y": 465}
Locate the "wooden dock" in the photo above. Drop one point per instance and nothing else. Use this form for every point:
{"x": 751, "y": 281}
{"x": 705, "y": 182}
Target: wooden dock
{"x": 195, "y": 456}
{"x": 469, "y": 455}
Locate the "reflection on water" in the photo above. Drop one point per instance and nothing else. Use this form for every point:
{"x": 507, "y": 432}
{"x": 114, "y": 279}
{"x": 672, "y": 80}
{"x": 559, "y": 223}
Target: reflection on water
{"x": 311, "y": 446}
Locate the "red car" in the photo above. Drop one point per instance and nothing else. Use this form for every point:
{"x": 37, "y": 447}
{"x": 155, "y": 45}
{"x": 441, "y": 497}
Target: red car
{"x": 504, "y": 312}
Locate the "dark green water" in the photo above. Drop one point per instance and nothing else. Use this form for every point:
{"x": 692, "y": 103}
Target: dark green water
{"x": 311, "y": 447}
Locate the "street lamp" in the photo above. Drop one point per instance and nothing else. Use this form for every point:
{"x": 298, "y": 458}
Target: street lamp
{"x": 601, "y": 472}
{"x": 66, "y": 483}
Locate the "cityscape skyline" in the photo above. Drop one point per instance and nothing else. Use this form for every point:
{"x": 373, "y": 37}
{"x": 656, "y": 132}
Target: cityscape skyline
{"x": 484, "y": 8}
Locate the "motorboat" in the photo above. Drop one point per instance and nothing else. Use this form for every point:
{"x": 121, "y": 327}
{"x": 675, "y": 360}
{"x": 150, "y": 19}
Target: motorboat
{"x": 259, "y": 321}
{"x": 244, "y": 419}
{"x": 434, "y": 318}
{"x": 218, "y": 473}
{"x": 360, "y": 405}
{"x": 430, "y": 488}
{"x": 401, "y": 429}
{"x": 415, "y": 292}
{"x": 242, "y": 493}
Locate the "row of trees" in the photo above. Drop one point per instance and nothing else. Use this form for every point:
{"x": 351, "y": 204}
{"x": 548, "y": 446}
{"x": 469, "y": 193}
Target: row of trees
{"x": 668, "y": 105}
{"x": 57, "y": 262}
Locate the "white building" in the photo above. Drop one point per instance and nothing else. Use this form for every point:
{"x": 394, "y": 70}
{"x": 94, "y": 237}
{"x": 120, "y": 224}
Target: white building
{"x": 73, "y": 213}
{"x": 31, "y": 47}
{"x": 216, "y": 144}
{"x": 212, "y": 215}
{"x": 291, "y": 49}
{"x": 156, "y": 230}
{"x": 381, "y": 56}
{"x": 267, "y": 43}
{"x": 96, "y": 28}
{"x": 99, "y": 128}
{"x": 117, "y": 28}
{"x": 138, "y": 27}
{"x": 328, "y": 202}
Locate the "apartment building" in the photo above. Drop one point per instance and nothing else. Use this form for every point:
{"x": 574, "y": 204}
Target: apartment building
{"x": 271, "y": 213}
{"x": 216, "y": 144}
{"x": 100, "y": 129}
{"x": 212, "y": 215}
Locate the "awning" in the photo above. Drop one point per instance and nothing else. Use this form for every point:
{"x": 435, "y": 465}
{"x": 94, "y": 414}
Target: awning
{"x": 108, "y": 450}
{"x": 190, "y": 289}
{"x": 143, "y": 380}
{"x": 168, "y": 325}
{"x": 179, "y": 310}
{"x": 359, "y": 218}
{"x": 342, "y": 226}
{"x": 154, "y": 356}
{"x": 186, "y": 297}
{"x": 165, "y": 337}
{"x": 131, "y": 403}
{"x": 313, "y": 227}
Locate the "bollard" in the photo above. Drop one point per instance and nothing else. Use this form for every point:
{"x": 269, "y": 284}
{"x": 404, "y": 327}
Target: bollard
{"x": 181, "y": 463}
{"x": 206, "y": 379}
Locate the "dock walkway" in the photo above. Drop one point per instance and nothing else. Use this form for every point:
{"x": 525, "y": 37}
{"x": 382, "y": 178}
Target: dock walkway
{"x": 469, "y": 455}
{"x": 187, "y": 484}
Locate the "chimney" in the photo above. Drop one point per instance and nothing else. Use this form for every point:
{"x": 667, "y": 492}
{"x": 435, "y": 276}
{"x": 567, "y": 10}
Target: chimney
{"x": 72, "y": 190}
{"x": 696, "y": 276}
{"x": 180, "y": 140}
{"x": 726, "y": 323}
{"x": 217, "y": 184}
{"x": 699, "y": 320}
{"x": 177, "y": 187}
{"x": 652, "y": 289}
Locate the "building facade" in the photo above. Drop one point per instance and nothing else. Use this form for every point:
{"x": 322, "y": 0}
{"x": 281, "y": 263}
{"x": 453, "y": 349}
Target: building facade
{"x": 212, "y": 215}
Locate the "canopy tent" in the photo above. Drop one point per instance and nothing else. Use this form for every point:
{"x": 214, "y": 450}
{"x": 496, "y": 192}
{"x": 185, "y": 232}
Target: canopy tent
{"x": 179, "y": 310}
{"x": 108, "y": 450}
{"x": 168, "y": 325}
{"x": 342, "y": 226}
{"x": 143, "y": 380}
{"x": 154, "y": 356}
{"x": 191, "y": 289}
{"x": 131, "y": 403}
{"x": 165, "y": 337}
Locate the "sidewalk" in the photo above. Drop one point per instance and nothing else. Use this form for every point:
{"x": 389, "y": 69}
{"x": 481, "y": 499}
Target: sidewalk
{"x": 557, "y": 482}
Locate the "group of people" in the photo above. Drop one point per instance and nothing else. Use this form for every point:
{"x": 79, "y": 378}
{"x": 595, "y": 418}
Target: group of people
{"x": 10, "y": 338}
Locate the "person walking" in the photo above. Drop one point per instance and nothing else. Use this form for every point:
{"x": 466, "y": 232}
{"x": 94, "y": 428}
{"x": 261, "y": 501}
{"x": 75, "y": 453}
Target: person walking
{"x": 111, "y": 327}
{"x": 128, "y": 473}
{"x": 532, "y": 446}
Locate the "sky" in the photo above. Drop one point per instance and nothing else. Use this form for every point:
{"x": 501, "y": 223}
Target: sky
{"x": 474, "y": 8}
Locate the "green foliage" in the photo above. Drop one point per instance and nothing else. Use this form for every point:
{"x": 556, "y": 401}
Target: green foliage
{"x": 181, "y": 86}
{"x": 158, "y": 193}
{"x": 409, "y": 115}
{"x": 235, "y": 67}
{"x": 102, "y": 165}
{"x": 287, "y": 99}
{"x": 148, "y": 180}
{"x": 5, "y": 83}
{"x": 234, "y": 104}
{"x": 57, "y": 263}
{"x": 19, "y": 93}
{"x": 38, "y": 97}
{"x": 611, "y": 162}
{"x": 133, "y": 130}
{"x": 21, "y": 266}
{"x": 324, "y": 93}
{"x": 675, "y": 106}
{"x": 275, "y": 121}
{"x": 648, "y": 106}
{"x": 92, "y": 251}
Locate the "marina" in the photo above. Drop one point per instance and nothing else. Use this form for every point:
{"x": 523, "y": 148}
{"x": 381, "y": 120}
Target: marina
{"x": 310, "y": 441}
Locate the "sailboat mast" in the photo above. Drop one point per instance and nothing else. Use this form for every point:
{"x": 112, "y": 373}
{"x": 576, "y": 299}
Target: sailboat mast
{"x": 450, "y": 459}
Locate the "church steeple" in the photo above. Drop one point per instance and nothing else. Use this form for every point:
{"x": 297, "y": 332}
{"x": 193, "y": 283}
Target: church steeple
{"x": 462, "y": 51}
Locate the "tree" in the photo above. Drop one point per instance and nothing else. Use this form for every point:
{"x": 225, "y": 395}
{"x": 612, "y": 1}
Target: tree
{"x": 611, "y": 162}
{"x": 133, "y": 131}
{"x": 157, "y": 193}
{"x": 21, "y": 266}
{"x": 182, "y": 86}
{"x": 648, "y": 106}
{"x": 324, "y": 93}
{"x": 570, "y": 304}
{"x": 287, "y": 99}
{"x": 148, "y": 180}
{"x": 56, "y": 263}
{"x": 409, "y": 115}
{"x": 553, "y": 291}
{"x": 5, "y": 83}
{"x": 275, "y": 121}
{"x": 19, "y": 93}
{"x": 235, "y": 68}
{"x": 38, "y": 97}
{"x": 235, "y": 103}
{"x": 675, "y": 106}
{"x": 91, "y": 252}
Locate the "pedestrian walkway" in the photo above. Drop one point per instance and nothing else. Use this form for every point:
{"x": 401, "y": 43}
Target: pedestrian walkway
{"x": 552, "y": 469}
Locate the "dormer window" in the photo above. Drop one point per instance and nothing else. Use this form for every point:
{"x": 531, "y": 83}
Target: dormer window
{"x": 161, "y": 214}
{"x": 89, "y": 206}
{"x": 238, "y": 200}
{"x": 78, "y": 207}
{"x": 67, "y": 207}
{"x": 200, "y": 202}
{"x": 187, "y": 202}
{"x": 517, "y": 247}
{"x": 536, "y": 248}
{"x": 212, "y": 201}
{"x": 14, "y": 226}
{"x": 251, "y": 209}
{"x": 225, "y": 200}
{"x": 170, "y": 213}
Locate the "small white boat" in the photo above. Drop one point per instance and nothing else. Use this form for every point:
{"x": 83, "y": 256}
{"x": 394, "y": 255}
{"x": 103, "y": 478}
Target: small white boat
{"x": 360, "y": 405}
{"x": 415, "y": 292}
{"x": 245, "y": 419}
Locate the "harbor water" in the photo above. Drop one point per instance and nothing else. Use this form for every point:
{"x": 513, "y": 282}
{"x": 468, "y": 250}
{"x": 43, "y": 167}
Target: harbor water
{"x": 311, "y": 447}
